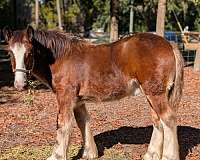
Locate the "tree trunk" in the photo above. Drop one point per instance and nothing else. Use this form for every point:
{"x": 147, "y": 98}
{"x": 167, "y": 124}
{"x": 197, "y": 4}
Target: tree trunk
{"x": 59, "y": 15}
{"x": 36, "y": 13}
{"x": 185, "y": 9}
{"x": 197, "y": 60}
{"x": 160, "y": 23}
{"x": 114, "y": 7}
{"x": 131, "y": 19}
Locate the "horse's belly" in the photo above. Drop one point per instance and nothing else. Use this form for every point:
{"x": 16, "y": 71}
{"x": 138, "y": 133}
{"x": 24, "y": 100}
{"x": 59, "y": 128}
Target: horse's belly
{"x": 109, "y": 92}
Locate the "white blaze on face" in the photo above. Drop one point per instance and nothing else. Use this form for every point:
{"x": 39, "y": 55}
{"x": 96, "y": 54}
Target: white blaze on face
{"x": 19, "y": 52}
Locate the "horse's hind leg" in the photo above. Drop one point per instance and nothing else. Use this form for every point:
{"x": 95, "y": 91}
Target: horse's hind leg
{"x": 167, "y": 123}
{"x": 170, "y": 145}
{"x": 156, "y": 144}
{"x": 83, "y": 121}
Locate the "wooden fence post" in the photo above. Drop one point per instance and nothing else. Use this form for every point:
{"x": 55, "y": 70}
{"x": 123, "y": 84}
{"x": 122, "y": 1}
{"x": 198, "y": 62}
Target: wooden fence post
{"x": 197, "y": 59}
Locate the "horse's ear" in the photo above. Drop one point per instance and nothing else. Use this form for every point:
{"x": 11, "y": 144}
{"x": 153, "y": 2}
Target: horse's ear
{"x": 7, "y": 33}
{"x": 30, "y": 32}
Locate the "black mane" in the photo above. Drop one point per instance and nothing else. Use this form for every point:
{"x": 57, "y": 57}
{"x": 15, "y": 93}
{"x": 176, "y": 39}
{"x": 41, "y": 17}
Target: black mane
{"x": 60, "y": 43}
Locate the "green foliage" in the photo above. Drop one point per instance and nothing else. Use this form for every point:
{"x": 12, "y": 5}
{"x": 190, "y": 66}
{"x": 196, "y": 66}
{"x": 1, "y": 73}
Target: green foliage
{"x": 187, "y": 11}
{"x": 71, "y": 16}
{"x": 5, "y": 10}
{"x": 3, "y": 4}
{"x": 71, "y": 12}
{"x": 197, "y": 24}
{"x": 102, "y": 19}
{"x": 49, "y": 14}
{"x": 81, "y": 15}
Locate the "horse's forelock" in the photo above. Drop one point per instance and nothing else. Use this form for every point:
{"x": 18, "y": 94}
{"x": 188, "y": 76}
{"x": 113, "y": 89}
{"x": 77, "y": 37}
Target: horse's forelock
{"x": 18, "y": 37}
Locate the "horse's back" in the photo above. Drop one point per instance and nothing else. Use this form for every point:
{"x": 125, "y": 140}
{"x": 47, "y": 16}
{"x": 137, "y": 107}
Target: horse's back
{"x": 144, "y": 47}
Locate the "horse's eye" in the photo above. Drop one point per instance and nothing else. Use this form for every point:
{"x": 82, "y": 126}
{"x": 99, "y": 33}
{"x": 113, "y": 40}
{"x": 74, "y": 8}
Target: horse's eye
{"x": 26, "y": 42}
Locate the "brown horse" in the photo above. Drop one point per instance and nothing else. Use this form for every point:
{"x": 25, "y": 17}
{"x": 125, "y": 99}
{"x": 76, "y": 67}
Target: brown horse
{"x": 78, "y": 71}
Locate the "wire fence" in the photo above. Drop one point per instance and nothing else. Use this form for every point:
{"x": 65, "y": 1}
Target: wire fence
{"x": 188, "y": 55}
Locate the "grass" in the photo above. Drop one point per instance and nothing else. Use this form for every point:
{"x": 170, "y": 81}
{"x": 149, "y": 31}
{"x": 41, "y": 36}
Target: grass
{"x": 113, "y": 154}
{"x": 26, "y": 153}
{"x": 29, "y": 97}
{"x": 42, "y": 152}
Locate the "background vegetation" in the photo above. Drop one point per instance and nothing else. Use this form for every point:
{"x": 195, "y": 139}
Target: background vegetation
{"x": 84, "y": 15}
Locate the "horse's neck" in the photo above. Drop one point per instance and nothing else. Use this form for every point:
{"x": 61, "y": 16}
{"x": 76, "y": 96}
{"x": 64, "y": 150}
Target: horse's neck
{"x": 42, "y": 69}
{"x": 44, "y": 75}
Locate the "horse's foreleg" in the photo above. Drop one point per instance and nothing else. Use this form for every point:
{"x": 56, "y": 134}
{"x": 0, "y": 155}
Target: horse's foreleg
{"x": 64, "y": 126}
{"x": 155, "y": 148}
{"x": 83, "y": 121}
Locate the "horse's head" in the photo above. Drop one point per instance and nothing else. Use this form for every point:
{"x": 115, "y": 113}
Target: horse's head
{"x": 21, "y": 52}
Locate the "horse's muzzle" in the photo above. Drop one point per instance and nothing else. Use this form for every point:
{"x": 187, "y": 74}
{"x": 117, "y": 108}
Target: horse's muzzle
{"x": 19, "y": 85}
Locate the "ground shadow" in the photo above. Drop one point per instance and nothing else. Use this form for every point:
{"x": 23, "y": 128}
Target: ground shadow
{"x": 188, "y": 138}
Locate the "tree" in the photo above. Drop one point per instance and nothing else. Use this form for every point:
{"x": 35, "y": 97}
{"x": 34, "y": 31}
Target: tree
{"x": 160, "y": 23}
{"x": 89, "y": 15}
{"x": 36, "y": 13}
{"x": 59, "y": 14}
{"x": 114, "y": 8}
{"x": 84, "y": 15}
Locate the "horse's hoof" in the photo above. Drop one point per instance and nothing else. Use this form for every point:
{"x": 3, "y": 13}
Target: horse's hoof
{"x": 167, "y": 158}
{"x": 151, "y": 156}
{"x": 51, "y": 158}
{"x": 89, "y": 155}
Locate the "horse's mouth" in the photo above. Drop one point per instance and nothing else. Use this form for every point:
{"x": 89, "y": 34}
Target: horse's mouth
{"x": 19, "y": 88}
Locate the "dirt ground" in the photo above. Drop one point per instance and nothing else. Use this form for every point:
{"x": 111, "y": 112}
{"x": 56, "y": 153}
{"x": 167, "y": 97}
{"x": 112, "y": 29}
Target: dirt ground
{"x": 30, "y": 120}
